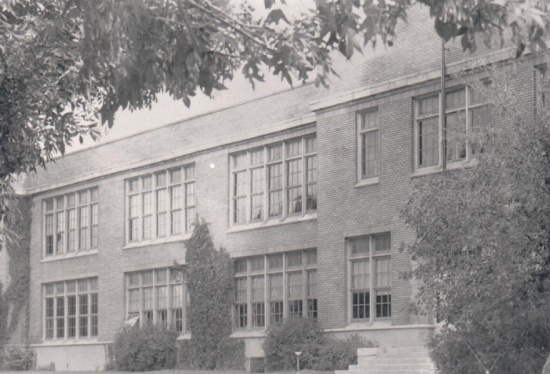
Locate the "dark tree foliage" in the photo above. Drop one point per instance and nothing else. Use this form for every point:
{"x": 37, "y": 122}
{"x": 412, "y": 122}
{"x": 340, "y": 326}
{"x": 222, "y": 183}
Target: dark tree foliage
{"x": 68, "y": 65}
{"x": 483, "y": 241}
{"x": 209, "y": 275}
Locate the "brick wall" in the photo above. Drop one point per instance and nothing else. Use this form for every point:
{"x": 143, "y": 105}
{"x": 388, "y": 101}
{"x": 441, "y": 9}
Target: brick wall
{"x": 344, "y": 209}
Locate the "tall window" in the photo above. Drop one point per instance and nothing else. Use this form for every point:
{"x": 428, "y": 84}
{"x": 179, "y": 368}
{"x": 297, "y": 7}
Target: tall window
{"x": 161, "y": 204}
{"x": 71, "y": 222}
{"x": 262, "y": 282}
{"x": 71, "y": 309}
{"x": 541, "y": 84}
{"x": 370, "y": 277}
{"x": 465, "y": 110}
{"x": 368, "y": 123}
{"x": 272, "y": 181}
{"x": 157, "y": 297}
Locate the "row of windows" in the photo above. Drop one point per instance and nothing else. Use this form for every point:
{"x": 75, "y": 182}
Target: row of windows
{"x": 161, "y": 204}
{"x": 268, "y": 289}
{"x": 70, "y": 222}
{"x": 465, "y": 111}
{"x": 271, "y": 182}
{"x": 71, "y": 309}
{"x": 271, "y": 288}
{"x": 157, "y": 297}
{"x": 274, "y": 181}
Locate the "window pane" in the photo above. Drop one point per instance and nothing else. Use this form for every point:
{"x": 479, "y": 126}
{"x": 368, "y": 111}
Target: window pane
{"x": 257, "y": 263}
{"x": 381, "y": 243}
{"x": 189, "y": 172}
{"x": 311, "y": 145}
{"x": 276, "y": 312}
{"x": 294, "y": 148}
{"x": 258, "y": 315}
{"x": 175, "y": 176}
{"x": 383, "y": 304}
{"x": 160, "y": 179}
{"x": 428, "y": 106}
{"x": 148, "y": 298}
{"x": 147, "y": 278}
{"x": 294, "y": 183}
{"x": 455, "y": 99}
{"x": 456, "y": 136}
{"x": 177, "y": 296}
{"x": 369, "y": 154}
{"x": 311, "y": 256}
{"x": 294, "y": 259}
{"x": 274, "y": 152}
{"x": 257, "y": 157}
{"x": 360, "y": 275}
{"x": 312, "y": 284}
{"x": 239, "y": 161}
{"x": 162, "y": 297}
{"x": 257, "y": 288}
{"x": 295, "y": 285}
{"x": 360, "y": 245}
{"x": 383, "y": 272}
{"x": 428, "y": 142}
{"x": 240, "y": 290}
{"x": 275, "y": 262}
{"x": 240, "y": 265}
{"x": 361, "y": 305}
{"x": 369, "y": 120}
{"x": 276, "y": 287}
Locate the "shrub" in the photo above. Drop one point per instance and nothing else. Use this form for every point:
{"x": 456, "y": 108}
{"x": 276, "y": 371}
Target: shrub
{"x": 210, "y": 285}
{"x": 149, "y": 348}
{"x": 295, "y": 334}
{"x": 451, "y": 354}
{"x": 18, "y": 359}
{"x": 231, "y": 355}
{"x": 319, "y": 352}
{"x": 339, "y": 354}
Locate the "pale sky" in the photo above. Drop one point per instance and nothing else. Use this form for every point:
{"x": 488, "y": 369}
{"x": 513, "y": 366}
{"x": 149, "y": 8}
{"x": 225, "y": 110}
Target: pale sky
{"x": 167, "y": 111}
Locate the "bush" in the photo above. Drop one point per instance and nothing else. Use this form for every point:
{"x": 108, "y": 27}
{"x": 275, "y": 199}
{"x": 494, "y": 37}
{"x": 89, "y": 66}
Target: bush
{"x": 319, "y": 352}
{"x": 451, "y": 354}
{"x": 149, "y": 348}
{"x": 210, "y": 285}
{"x": 294, "y": 335}
{"x": 230, "y": 355}
{"x": 340, "y": 354}
{"x": 18, "y": 359}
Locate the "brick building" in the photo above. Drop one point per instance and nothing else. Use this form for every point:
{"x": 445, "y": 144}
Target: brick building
{"x": 302, "y": 187}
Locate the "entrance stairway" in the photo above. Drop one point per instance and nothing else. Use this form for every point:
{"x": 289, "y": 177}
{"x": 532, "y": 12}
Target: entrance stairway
{"x": 391, "y": 360}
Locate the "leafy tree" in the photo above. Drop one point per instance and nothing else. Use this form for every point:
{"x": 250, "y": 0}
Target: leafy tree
{"x": 209, "y": 276}
{"x": 64, "y": 62}
{"x": 483, "y": 242}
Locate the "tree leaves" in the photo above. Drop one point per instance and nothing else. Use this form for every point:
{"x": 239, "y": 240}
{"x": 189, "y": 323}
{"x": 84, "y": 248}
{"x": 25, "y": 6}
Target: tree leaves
{"x": 483, "y": 245}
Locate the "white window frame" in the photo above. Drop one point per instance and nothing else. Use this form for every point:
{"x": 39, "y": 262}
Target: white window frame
{"x": 173, "y": 277}
{"x": 360, "y": 134}
{"x": 284, "y": 271}
{"x": 65, "y": 294}
{"x": 467, "y": 108}
{"x": 371, "y": 257}
{"x": 187, "y": 185}
{"x": 60, "y": 206}
{"x": 284, "y": 161}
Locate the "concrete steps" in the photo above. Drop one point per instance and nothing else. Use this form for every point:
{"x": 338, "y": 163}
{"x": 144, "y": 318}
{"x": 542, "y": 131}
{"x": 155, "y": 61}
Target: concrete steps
{"x": 391, "y": 360}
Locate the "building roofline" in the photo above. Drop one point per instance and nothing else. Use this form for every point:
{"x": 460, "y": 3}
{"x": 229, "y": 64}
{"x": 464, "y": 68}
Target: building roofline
{"x": 183, "y": 120}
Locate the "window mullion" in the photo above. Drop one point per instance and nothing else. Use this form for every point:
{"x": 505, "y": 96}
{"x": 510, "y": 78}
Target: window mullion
{"x": 468, "y": 130}
{"x": 284, "y": 196}
{"x": 372, "y": 275}
{"x": 285, "y": 285}
{"x": 248, "y": 296}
